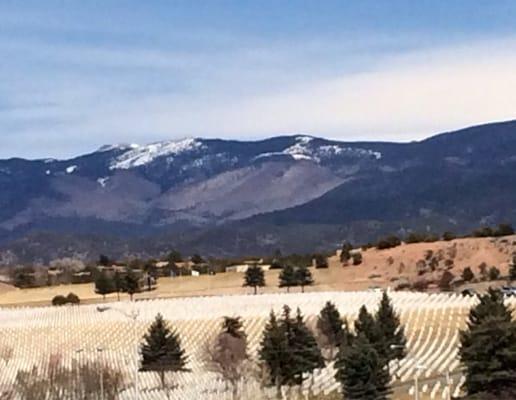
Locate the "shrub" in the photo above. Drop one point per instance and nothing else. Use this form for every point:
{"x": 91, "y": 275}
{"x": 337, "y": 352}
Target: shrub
{"x": 402, "y": 286}
{"x": 59, "y": 300}
{"x": 72, "y": 298}
{"x": 431, "y": 237}
{"x": 504, "y": 230}
{"x": 483, "y": 232}
{"x": 494, "y": 274}
{"x": 501, "y": 230}
{"x": 433, "y": 263}
{"x": 421, "y": 267}
{"x": 420, "y": 285}
{"x": 415, "y": 237}
{"x": 483, "y": 270}
{"x": 388, "y": 242}
{"x": 357, "y": 258}
{"x": 320, "y": 261}
{"x": 366, "y": 246}
{"x": 447, "y": 236}
{"x": 445, "y": 281}
{"x": 468, "y": 274}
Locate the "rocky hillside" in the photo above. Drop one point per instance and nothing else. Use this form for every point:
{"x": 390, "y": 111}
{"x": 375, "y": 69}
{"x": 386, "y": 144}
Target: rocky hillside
{"x": 296, "y": 193}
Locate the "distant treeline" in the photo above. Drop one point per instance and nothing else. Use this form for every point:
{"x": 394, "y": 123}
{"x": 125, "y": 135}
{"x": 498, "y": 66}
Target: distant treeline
{"x": 391, "y": 241}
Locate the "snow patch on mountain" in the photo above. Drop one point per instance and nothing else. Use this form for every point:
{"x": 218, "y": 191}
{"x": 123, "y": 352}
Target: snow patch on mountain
{"x": 71, "y": 169}
{"x": 102, "y": 181}
{"x": 143, "y": 155}
{"x": 335, "y": 150}
{"x": 121, "y": 146}
{"x": 304, "y": 149}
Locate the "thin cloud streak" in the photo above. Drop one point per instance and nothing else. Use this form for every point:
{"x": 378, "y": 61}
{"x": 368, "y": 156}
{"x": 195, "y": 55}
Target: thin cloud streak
{"x": 399, "y": 96}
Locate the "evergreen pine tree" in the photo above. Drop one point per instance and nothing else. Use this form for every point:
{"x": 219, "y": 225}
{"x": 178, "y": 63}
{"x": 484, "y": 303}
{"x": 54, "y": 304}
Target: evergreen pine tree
{"x": 274, "y": 352}
{"x": 303, "y": 346}
{"x": 491, "y": 304}
{"x": 488, "y": 348}
{"x": 161, "y": 350}
{"x": 290, "y": 371}
{"x": 366, "y": 324}
{"x": 287, "y": 277}
{"x": 131, "y": 283}
{"x": 254, "y": 277}
{"x": 391, "y": 334}
{"x": 103, "y": 285}
{"x": 345, "y": 254}
{"x": 332, "y": 329}
{"x": 304, "y": 277}
{"x": 174, "y": 257}
{"x": 361, "y": 372}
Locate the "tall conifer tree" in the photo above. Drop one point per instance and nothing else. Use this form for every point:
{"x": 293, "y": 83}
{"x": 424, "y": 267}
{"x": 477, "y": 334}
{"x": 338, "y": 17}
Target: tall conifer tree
{"x": 392, "y": 343}
{"x": 287, "y": 277}
{"x": 254, "y": 277}
{"x": 332, "y": 329}
{"x": 304, "y": 277}
{"x": 161, "y": 350}
{"x": 274, "y": 352}
{"x": 361, "y": 372}
{"x": 306, "y": 352}
{"x": 488, "y": 349}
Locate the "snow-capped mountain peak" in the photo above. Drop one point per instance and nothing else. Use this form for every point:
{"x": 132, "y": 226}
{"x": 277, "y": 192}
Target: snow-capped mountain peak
{"x": 142, "y": 155}
{"x": 304, "y": 148}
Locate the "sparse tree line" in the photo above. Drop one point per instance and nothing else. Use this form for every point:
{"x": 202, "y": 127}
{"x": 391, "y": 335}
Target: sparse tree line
{"x": 127, "y": 282}
{"x": 289, "y": 277}
{"x": 448, "y": 280}
{"x": 391, "y": 241}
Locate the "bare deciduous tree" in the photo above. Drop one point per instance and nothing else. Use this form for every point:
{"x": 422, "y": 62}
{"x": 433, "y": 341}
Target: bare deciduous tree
{"x": 226, "y": 354}
{"x": 57, "y": 382}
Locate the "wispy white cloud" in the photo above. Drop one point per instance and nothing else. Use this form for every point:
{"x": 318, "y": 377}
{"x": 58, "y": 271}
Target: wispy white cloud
{"x": 84, "y": 95}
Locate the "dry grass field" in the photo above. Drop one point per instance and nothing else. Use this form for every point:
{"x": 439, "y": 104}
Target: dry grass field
{"x": 383, "y": 268}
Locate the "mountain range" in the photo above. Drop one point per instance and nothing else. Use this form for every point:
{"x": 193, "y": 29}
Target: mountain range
{"x": 222, "y": 197}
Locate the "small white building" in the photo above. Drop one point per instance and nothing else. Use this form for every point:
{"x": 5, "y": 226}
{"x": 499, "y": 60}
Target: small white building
{"x": 244, "y": 267}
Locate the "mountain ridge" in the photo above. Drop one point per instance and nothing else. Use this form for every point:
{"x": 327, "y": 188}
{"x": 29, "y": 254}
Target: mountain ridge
{"x": 261, "y": 192}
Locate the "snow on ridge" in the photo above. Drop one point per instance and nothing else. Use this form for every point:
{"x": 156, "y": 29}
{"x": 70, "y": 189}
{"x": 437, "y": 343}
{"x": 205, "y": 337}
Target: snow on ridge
{"x": 303, "y": 149}
{"x": 331, "y": 150}
{"x": 121, "y": 146}
{"x": 143, "y": 155}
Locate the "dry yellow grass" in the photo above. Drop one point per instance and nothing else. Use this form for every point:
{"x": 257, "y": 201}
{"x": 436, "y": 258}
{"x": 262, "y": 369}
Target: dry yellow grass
{"x": 378, "y": 268}
{"x": 400, "y": 262}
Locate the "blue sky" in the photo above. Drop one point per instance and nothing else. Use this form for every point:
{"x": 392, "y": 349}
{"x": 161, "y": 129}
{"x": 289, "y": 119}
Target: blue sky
{"x": 79, "y": 74}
